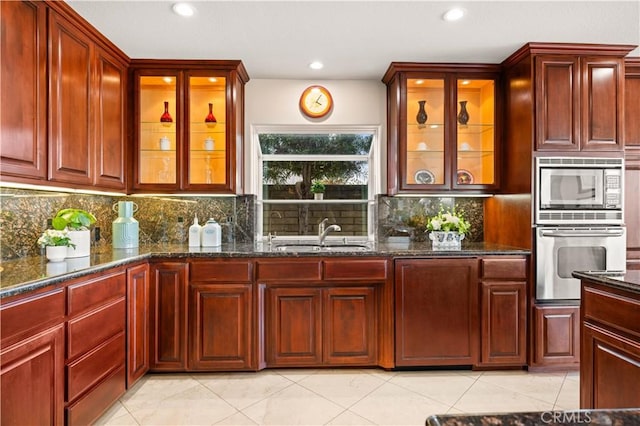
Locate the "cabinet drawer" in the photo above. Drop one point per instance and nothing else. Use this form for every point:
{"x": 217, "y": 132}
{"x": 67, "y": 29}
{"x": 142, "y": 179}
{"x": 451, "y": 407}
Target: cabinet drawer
{"x": 614, "y": 310}
{"x": 507, "y": 268}
{"x": 91, "y": 368}
{"x": 234, "y": 271}
{"x": 91, "y": 406}
{"x": 355, "y": 269}
{"x": 87, "y": 295}
{"x": 31, "y": 314}
{"x": 287, "y": 270}
{"x": 86, "y": 332}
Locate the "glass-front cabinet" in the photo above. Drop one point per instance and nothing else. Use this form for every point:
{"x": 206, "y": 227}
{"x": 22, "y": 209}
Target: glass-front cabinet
{"x": 189, "y": 126}
{"x": 441, "y": 127}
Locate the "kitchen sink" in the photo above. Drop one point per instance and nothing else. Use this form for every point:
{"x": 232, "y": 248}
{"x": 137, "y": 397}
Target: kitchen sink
{"x": 317, "y": 247}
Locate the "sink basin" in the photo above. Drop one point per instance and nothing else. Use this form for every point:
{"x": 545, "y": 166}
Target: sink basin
{"x": 318, "y": 247}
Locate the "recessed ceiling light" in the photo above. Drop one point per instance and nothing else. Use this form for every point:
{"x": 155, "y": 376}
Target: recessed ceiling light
{"x": 167, "y": 79}
{"x": 183, "y": 9}
{"x": 419, "y": 81}
{"x": 453, "y": 14}
{"x": 465, "y": 82}
{"x": 316, "y": 65}
{"x": 213, "y": 79}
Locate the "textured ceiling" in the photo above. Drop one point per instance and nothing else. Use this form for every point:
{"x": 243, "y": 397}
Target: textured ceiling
{"x": 354, "y": 39}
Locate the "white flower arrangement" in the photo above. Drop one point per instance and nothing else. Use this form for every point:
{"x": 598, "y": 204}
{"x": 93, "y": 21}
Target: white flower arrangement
{"x": 53, "y": 237}
{"x": 451, "y": 221}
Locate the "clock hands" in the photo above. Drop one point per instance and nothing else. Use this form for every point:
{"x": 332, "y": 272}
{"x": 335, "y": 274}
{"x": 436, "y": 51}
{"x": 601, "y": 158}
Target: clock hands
{"x": 319, "y": 97}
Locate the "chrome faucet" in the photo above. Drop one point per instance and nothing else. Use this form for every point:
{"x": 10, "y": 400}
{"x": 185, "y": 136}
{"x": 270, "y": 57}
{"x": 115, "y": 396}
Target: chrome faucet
{"x": 323, "y": 232}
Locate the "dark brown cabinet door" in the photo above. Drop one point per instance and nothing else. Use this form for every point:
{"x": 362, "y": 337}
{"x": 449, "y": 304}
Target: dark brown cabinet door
{"x": 23, "y": 83}
{"x": 349, "y": 324}
{"x": 503, "y": 320}
{"x": 631, "y": 102}
{"x": 70, "y": 114}
{"x": 293, "y": 327}
{"x": 436, "y": 312}
{"x": 34, "y": 368}
{"x": 110, "y": 121}
{"x": 138, "y": 318}
{"x": 557, "y": 336}
{"x": 220, "y": 326}
{"x": 169, "y": 316}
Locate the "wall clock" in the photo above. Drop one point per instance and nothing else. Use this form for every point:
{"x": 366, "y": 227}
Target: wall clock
{"x": 316, "y": 102}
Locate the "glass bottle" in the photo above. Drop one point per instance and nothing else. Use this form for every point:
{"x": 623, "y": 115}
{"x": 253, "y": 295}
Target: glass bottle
{"x": 166, "y": 117}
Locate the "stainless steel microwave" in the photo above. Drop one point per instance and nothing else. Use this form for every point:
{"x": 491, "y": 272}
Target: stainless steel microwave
{"x": 578, "y": 190}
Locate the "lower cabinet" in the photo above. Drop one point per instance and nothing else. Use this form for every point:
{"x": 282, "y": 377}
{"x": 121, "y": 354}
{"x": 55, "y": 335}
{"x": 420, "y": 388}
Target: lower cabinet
{"x": 436, "y": 312}
{"x": 138, "y": 318}
{"x": 556, "y": 335}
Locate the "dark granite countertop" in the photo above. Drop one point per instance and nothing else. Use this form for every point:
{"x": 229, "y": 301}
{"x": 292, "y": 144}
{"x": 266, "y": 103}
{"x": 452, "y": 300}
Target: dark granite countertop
{"x": 31, "y": 273}
{"x": 622, "y": 417}
{"x": 629, "y": 280}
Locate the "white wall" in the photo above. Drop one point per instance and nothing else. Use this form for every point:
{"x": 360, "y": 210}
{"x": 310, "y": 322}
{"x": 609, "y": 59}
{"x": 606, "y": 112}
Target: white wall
{"x": 275, "y": 102}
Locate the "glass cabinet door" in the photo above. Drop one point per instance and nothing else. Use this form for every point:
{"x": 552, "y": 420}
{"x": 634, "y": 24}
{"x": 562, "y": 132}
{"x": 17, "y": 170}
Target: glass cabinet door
{"x": 475, "y": 141}
{"x": 207, "y": 129}
{"x": 158, "y": 138}
{"x": 425, "y": 160}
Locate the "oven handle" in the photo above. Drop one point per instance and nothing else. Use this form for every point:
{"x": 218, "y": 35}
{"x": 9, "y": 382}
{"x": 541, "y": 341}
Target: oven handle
{"x": 579, "y": 233}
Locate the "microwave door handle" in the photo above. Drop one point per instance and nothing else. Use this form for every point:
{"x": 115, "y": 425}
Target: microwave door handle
{"x": 567, "y": 233}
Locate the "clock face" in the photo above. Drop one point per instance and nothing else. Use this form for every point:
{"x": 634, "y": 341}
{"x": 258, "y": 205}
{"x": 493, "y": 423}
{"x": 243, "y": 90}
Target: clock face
{"x": 316, "y": 101}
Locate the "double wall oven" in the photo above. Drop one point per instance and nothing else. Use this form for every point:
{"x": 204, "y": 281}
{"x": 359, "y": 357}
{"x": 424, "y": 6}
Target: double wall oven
{"x": 578, "y": 222}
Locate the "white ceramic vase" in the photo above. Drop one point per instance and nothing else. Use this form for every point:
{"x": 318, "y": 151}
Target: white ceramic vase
{"x": 82, "y": 240}
{"x": 56, "y": 253}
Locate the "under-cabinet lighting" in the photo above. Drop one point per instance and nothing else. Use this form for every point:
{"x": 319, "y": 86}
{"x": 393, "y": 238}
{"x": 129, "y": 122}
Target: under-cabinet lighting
{"x": 213, "y": 79}
{"x": 453, "y": 14}
{"x": 167, "y": 79}
{"x": 183, "y": 9}
{"x": 58, "y": 189}
{"x": 419, "y": 81}
{"x": 465, "y": 82}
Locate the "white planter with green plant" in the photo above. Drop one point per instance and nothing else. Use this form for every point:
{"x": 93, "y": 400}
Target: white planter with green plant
{"x": 77, "y": 222}
{"x": 318, "y": 188}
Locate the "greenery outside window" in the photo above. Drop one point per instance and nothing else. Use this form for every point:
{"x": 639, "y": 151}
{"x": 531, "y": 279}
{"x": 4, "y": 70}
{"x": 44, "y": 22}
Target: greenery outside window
{"x": 295, "y": 165}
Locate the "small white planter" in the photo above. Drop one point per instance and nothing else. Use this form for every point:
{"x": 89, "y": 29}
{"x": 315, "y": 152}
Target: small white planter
{"x": 449, "y": 240}
{"x": 82, "y": 240}
{"x": 318, "y": 196}
{"x": 56, "y": 253}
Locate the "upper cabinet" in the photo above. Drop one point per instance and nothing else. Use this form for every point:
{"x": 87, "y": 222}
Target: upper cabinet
{"x": 576, "y": 91}
{"x": 442, "y": 127}
{"x": 188, "y": 119}
{"x": 75, "y": 134}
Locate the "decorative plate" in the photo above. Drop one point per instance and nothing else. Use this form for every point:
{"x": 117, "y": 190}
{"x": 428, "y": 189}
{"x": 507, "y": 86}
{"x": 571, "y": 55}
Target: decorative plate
{"x": 464, "y": 177}
{"x": 424, "y": 177}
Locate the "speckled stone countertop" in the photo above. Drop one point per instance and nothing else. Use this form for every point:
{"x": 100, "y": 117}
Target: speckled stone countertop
{"x": 629, "y": 281}
{"x": 623, "y": 417}
{"x": 31, "y": 273}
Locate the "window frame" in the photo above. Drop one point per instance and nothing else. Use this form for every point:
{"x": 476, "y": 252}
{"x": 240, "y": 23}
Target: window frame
{"x": 256, "y": 170}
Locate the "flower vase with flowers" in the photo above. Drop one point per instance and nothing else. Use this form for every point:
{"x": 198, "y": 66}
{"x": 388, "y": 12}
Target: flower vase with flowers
{"x": 55, "y": 243}
{"x": 447, "y": 230}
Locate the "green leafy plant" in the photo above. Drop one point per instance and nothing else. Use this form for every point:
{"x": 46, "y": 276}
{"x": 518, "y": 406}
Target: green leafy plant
{"x": 450, "y": 221}
{"x": 73, "y": 219}
{"x": 54, "y": 237}
{"x": 318, "y": 187}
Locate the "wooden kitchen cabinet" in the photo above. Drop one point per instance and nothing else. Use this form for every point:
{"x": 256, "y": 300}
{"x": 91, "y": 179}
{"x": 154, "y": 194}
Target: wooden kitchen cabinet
{"x": 96, "y": 357}
{"x": 188, "y": 125}
{"x": 221, "y": 316}
{"x": 138, "y": 322}
{"x": 503, "y": 311}
{"x": 326, "y": 311}
{"x": 23, "y": 79}
{"x": 443, "y": 126}
{"x": 632, "y": 161}
{"x": 610, "y": 347}
{"x": 169, "y": 316}
{"x": 436, "y": 320}
{"x": 556, "y": 334}
{"x": 32, "y": 360}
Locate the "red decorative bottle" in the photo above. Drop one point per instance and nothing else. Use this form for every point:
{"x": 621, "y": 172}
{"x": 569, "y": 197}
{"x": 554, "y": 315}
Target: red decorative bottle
{"x": 210, "y": 118}
{"x": 166, "y": 117}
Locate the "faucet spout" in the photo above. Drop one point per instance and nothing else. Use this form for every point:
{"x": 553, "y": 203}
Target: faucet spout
{"x": 323, "y": 232}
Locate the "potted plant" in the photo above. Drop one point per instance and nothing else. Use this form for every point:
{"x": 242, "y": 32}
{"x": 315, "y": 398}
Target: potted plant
{"x": 447, "y": 230}
{"x": 56, "y": 243}
{"x": 318, "y": 189}
{"x": 77, "y": 222}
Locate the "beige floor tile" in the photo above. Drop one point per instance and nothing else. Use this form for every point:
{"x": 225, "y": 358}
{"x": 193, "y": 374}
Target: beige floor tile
{"x": 193, "y": 406}
{"x": 543, "y": 386}
{"x": 237, "y": 419}
{"x": 485, "y": 397}
{"x": 391, "y": 404}
{"x": 294, "y": 405}
{"x": 155, "y": 388}
{"x": 342, "y": 387}
{"x": 244, "y": 389}
{"x": 443, "y": 387}
{"x": 569, "y": 397}
{"x": 349, "y": 418}
{"x": 295, "y": 374}
{"x": 116, "y": 415}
